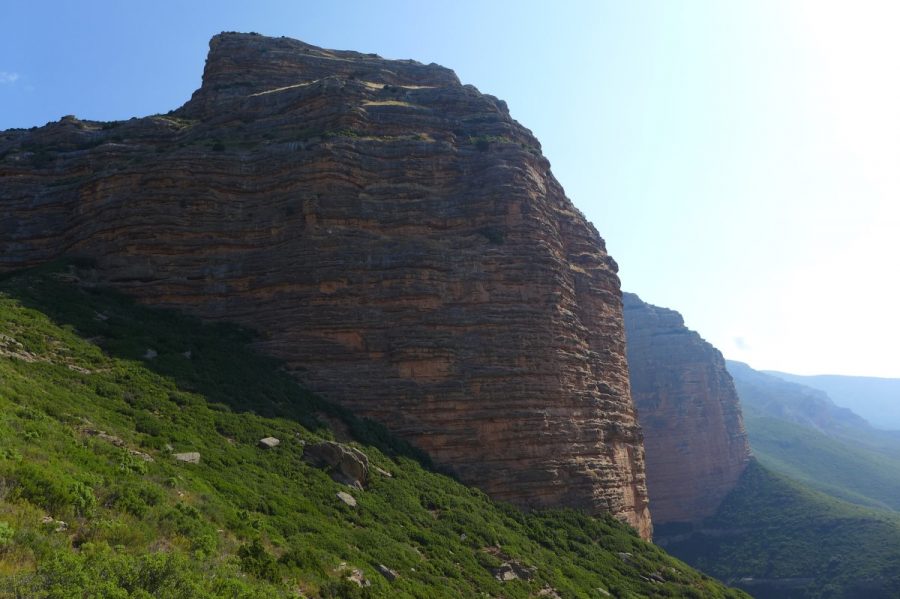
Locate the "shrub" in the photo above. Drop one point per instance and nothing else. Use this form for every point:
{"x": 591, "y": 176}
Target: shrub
{"x": 257, "y": 561}
{"x": 305, "y": 559}
{"x": 129, "y": 463}
{"x": 83, "y": 499}
{"x": 344, "y": 589}
{"x": 134, "y": 499}
{"x": 52, "y": 491}
{"x": 6, "y": 535}
{"x": 147, "y": 424}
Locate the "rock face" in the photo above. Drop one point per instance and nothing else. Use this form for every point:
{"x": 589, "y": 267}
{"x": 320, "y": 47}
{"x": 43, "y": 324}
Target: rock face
{"x": 346, "y": 464}
{"x": 395, "y": 236}
{"x": 696, "y": 446}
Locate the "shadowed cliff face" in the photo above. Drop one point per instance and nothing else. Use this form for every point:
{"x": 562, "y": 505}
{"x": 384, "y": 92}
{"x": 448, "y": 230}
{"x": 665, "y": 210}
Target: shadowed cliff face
{"x": 690, "y": 413}
{"x": 393, "y": 235}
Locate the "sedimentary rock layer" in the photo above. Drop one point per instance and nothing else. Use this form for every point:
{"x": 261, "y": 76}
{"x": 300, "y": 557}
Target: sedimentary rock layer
{"x": 395, "y": 236}
{"x": 695, "y": 442}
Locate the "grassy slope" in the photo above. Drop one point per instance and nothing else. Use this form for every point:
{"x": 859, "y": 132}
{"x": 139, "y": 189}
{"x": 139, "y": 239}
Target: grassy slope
{"x": 798, "y": 431}
{"x": 852, "y": 473}
{"x": 244, "y": 522}
{"x": 771, "y": 527}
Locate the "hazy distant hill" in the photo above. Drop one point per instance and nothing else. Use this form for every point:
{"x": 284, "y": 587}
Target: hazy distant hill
{"x": 790, "y": 401}
{"x": 875, "y": 399}
{"x": 799, "y": 431}
{"x": 840, "y": 469}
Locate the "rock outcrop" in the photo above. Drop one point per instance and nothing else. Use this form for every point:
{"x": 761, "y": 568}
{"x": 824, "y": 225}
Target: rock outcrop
{"x": 395, "y": 236}
{"x": 695, "y": 442}
{"x": 346, "y": 464}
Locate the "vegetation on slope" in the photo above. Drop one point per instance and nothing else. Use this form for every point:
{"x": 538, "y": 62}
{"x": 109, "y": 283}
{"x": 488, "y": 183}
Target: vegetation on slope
{"x": 844, "y": 471}
{"x": 800, "y": 432}
{"x": 777, "y": 538}
{"x": 93, "y": 501}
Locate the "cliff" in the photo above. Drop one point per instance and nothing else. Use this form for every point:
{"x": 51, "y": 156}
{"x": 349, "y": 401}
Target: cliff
{"x": 394, "y": 236}
{"x": 696, "y": 446}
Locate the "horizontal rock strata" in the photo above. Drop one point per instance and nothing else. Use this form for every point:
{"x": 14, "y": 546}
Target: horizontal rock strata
{"x": 695, "y": 442}
{"x": 395, "y": 236}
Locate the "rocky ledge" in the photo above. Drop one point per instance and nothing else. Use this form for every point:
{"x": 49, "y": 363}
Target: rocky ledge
{"x": 393, "y": 235}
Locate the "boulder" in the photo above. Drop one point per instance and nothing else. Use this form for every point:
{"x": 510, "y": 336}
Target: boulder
{"x": 513, "y": 570}
{"x": 104, "y": 436}
{"x": 505, "y": 573}
{"x": 356, "y": 576}
{"x": 141, "y": 455}
{"x": 346, "y": 498}
{"x": 190, "y": 457}
{"x": 269, "y": 443}
{"x": 345, "y": 464}
{"x": 57, "y": 525}
{"x": 391, "y": 575}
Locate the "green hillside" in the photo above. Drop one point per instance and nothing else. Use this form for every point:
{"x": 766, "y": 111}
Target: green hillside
{"x": 98, "y": 394}
{"x": 800, "y": 432}
{"x": 777, "y": 539}
{"x": 856, "y": 474}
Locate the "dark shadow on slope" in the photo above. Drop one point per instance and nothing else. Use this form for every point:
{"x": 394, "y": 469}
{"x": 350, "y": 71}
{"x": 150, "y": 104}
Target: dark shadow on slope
{"x": 199, "y": 357}
{"x": 778, "y": 539}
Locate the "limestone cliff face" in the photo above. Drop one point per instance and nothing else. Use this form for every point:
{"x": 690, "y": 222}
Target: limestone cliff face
{"x": 696, "y": 446}
{"x": 394, "y": 236}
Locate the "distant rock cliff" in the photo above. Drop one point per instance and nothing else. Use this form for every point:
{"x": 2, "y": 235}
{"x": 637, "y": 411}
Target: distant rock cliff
{"x": 395, "y": 236}
{"x": 696, "y": 446}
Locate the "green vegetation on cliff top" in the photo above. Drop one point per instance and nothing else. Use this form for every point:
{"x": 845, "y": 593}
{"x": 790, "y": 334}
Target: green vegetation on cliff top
{"x": 86, "y": 513}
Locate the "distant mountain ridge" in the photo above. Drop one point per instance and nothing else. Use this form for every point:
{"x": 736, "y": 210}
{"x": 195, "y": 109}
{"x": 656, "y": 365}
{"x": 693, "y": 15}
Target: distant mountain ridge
{"x": 764, "y": 394}
{"x": 799, "y": 431}
{"x": 875, "y": 399}
{"x": 792, "y": 401}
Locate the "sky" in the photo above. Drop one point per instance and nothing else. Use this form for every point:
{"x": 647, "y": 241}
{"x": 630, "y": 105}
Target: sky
{"x": 739, "y": 158}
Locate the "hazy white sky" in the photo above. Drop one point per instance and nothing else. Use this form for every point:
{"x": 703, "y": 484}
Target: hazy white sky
{"x": 740, "y": 158}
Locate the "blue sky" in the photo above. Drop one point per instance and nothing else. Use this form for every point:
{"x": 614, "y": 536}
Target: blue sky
{"x": 740, "y": 158}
